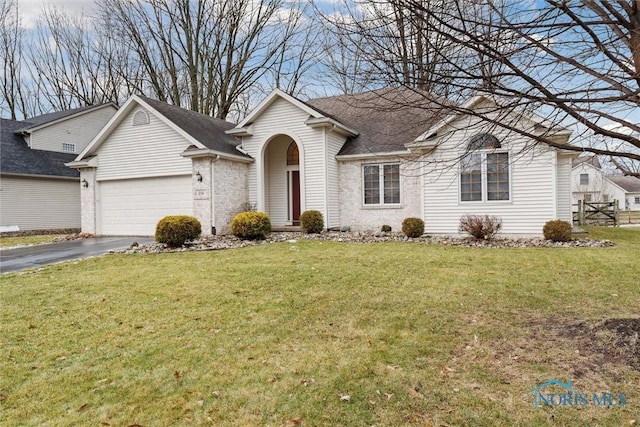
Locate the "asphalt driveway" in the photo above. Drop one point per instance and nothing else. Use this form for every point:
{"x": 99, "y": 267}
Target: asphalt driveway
{"x": 50, "y": 253}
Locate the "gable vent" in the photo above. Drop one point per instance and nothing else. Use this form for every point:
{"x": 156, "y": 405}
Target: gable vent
{"x": 140, "y": 118}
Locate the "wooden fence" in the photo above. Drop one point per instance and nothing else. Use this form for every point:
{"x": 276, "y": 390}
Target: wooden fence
{"x": 598, "y": 213}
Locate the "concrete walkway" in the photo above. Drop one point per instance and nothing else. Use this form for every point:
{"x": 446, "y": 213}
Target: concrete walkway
{"x": 36, "y": 256}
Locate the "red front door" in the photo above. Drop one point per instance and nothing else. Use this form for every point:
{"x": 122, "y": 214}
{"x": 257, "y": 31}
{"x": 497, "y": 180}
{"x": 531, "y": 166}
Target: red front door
{"x": 295, "y": 196}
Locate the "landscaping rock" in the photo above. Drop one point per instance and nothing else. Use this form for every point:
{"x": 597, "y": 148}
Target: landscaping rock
{"x": 210, "y": 243}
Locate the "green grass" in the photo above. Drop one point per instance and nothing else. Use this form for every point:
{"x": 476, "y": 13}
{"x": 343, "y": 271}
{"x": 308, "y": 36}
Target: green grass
{"x": 275, "y": 335}
{"x": 6, "y": 242}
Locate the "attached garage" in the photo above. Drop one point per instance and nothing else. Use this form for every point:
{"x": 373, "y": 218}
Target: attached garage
{"x": 154, "y": 159}
{"x": 133, "y": 207}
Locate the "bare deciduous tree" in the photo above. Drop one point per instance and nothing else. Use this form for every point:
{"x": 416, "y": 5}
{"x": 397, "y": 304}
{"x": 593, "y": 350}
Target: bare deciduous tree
{"x": 574, "y": 62}
{"x": 11, "y": 36}
{"x": 205, "y": 55}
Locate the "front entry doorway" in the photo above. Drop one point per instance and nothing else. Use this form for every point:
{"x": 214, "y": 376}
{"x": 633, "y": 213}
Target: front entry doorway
{"x": 293, "y": 183}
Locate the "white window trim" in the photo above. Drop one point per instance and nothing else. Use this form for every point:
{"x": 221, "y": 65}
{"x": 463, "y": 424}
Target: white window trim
{"x": 483, "y": 171}
{"x": 382, "y": 204}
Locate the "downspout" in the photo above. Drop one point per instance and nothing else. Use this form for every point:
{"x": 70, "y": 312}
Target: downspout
{"x": 326, "y": 179}
{"x": 554, "y": 184}
{"x": 213, "y": 193}
{"x": 422, "y": 191}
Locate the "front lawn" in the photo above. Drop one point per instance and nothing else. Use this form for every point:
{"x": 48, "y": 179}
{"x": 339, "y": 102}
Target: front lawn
{"x": 6, "y": 242}
{"x": 323, "y": 334}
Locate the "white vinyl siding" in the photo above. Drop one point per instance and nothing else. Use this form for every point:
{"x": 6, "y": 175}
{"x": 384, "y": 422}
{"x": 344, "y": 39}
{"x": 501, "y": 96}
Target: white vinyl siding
{"x": 143, "y": 151}
{"x": 134, "y": 206}
{"x": 284, "y": 118}
{"x": 79, "y": 130}
{"x": 532, "y": 184}
{"x": 39, "y": 203}
{"x": 334, "y": 144}
{"x": 276, "y": 183}
{"x": 563, "y": 187}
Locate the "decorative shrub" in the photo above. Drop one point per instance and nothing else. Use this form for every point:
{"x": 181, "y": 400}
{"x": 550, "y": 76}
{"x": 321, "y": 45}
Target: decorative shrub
{"x": 482, "y": 227}
{"x": 251, "y": 225}
{"x": 312, "y": 222}
{"x": 385, "y": 228}
{"x": 413, "y": 227}
{"x": 557, "y": 230}
{"x": 175, "y": 230}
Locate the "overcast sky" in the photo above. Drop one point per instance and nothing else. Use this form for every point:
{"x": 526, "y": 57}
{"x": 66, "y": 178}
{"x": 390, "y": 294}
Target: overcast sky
{"x": 31, "y": 9}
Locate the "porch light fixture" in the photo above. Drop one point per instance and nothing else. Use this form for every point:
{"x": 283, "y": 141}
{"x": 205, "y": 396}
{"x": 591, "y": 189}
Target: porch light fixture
{"x": 85, "y": 184}
{"x": 198, "y": 177}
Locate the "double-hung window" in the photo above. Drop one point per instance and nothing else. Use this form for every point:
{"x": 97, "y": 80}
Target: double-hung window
{"x": 381, "y": 184}
{"x": 484, "y": 171}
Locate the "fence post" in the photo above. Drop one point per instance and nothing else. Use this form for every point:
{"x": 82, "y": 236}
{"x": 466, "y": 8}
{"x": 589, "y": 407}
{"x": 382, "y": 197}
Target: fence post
{"x": 616, "y": 213}
{"x": 580, "y": 212}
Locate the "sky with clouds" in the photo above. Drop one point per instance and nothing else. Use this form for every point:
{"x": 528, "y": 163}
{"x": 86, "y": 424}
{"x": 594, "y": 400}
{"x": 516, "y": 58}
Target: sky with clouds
{"x": 30, "y": 10}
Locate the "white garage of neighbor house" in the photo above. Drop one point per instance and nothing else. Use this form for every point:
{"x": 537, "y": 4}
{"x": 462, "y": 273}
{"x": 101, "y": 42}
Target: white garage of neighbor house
{"x": 37, "y": 191}
{"x": 362, "y": 160}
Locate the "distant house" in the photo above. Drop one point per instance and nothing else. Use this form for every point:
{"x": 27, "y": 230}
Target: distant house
{"x": 362, "y": 160}
{"x": 591, "y": 184}
{"x": 37, "y": 191}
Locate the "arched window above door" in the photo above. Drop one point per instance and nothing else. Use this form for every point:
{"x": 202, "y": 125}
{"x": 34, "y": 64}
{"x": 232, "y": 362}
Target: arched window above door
{"x": 293, "y": 156}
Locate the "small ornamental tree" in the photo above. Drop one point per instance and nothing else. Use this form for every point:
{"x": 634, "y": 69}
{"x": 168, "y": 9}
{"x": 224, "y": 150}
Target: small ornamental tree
{"x": 251, "y": 225}
{"x": 312, "y": 222}
{"x": 413, "y": 227}
{"x": 176, "y": 230}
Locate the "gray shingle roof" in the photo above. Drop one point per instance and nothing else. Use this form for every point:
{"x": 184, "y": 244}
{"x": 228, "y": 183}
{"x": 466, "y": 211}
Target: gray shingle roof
{"x": 52, "y": 117}
{"x": 630, "y": 184}
{"x": 207, "y": 130}
{"x": 589, "y": 160}
{"x": 385, "y": 119}
{"x": 17, "y": 158}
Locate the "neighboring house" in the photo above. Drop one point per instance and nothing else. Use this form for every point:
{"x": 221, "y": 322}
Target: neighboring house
{"x": 631, "y": 187}
{"x": 362, "y": 160}
{"x": 590, "y": 184}
{"x": 37, "y": 191}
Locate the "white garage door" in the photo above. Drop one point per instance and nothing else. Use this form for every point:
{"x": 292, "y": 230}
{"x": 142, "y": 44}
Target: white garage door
{"x": 133, "y": 207}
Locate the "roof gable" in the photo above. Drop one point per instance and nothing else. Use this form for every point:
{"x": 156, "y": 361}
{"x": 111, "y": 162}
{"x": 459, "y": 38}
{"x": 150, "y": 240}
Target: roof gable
{"x": 270, "y": 99}
{"x": 201, "y": 131}
{"x": 538, "y": 123}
